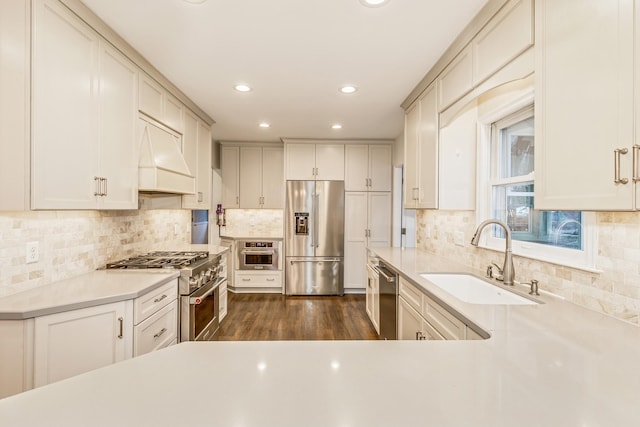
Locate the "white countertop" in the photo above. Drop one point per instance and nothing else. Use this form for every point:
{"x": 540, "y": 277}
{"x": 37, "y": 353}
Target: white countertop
{"x": 553, "y": 364}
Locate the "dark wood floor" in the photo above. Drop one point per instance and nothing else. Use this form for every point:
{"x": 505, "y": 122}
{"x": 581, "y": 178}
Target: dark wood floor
{"x": 259, "y": 317}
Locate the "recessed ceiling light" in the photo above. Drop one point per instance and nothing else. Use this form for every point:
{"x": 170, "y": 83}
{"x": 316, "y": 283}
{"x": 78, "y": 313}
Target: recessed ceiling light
{"x": 195, "y": 1}
{"x": 336, "y": 126}
{"x": 348, "y": 89}
{"x": 374, "y": 3}
{"x": 264, "y": 125}
{"x": 242, "y": 88}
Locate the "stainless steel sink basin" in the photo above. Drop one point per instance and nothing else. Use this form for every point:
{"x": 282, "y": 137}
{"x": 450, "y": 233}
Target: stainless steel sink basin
{"x": 470, "y": 289}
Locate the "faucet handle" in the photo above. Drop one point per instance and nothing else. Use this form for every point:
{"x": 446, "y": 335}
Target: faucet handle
{"x": 534, "y": 287}
{"x": 498, "y": 267}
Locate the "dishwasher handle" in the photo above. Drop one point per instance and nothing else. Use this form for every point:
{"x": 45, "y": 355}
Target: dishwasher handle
{"x": 384, "y": 273}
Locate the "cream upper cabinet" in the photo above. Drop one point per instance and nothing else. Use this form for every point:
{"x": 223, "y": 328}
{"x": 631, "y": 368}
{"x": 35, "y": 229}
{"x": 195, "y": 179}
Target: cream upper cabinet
{"x": 505, "y": 37}
{"x": 456, "y": 79}
{"x": 82, "y": 104}
{"x": 156, "y": 102}
{"x": 197, "y": 154}
{"x": 305, "y": 161}
{"x": 230, "y": 164}
{"x": 173, "y": 113}
{"x": 260, "y": 176}
{"x": 367, "y": 167}
{"x": 421, "y": 152}
{"x": 250, "y": 177}
{"x": 273, "y": 177}
{"x": 584, "y": 109}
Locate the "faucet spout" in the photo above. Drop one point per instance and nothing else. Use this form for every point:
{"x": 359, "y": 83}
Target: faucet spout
{"x": 508, "y": 271}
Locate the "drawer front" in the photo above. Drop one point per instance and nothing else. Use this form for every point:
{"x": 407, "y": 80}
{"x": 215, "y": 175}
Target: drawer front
{"x": 151, "y": 302}
{"x": 158, "y": 331}
{"x": 270, "y": 280}
{"x": 444, "y": 322}
{"x": 411, "y": 294}
{"x": 223, "y": 303}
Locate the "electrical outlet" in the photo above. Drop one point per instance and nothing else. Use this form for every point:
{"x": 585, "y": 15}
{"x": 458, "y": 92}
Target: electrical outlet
{"x": 33, "y": 252}
{"x": 176, "y": 229}
{"x": 458, "y": 238}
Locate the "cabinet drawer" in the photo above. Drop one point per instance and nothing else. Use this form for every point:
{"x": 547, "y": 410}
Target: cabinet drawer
{"x": 158, "y": 331}
{"x": 151, "y": 302}
{"x": 411, "y": 295}
{"x": 254, "y": 280}
{"x": 444, "y": 322}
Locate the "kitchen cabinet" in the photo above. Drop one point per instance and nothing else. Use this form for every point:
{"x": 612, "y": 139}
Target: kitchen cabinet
{"x": 372, "y": 297}
{"x": 261, "y": 179}
{"x": 367, "y": 167}
{"x": 230, "y": 165}
{"x": 156, "y": 102}
{"x": 307, "y": 161}
{"x": 258, "y": 281}
{"x": 367, "y": 224}
{"x": 585, "y": 118}
{"x": 223, "y": 296}
{"x": 155, "y": 319}
{"x": 456, "y": 79}
{"x": 230, "y": 259}
{"x": 15, "y": 16}
{"x": 421, "y": 152}
{"x": 83, "y": 102}
{"x": 197, "y": 154}
{"x": 77, "y": 341}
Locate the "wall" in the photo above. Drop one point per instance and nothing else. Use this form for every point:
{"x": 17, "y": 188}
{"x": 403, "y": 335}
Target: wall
{"x": 253, "y": 223}
{"x": 76, "y": 242}
{"x": 614, "y": 291}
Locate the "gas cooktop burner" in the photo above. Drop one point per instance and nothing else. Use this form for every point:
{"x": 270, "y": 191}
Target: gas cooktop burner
{"x": 160, "y": 259}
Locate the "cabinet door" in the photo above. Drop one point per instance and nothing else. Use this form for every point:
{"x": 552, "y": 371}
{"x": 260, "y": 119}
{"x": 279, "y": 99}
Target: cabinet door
{"x": 379, "y": 219}
{"x": 301, "y": 161}
{"x": 584, "y": 105}
{"x": 428, "y": 151}
{"x": 330, "y": 162}
{"x": 65, "y": 110}
{"x": 151, "y": 97}
{"x": 250, "y": 177}
{"x": 356, "y": 171}
{"x": 204, "y": 176}
{"x": 78, "y": 341}
{"x": 380, "y": 169}
{"x": 173, "y": 113}
{"x": 273, "y": 177}
{"x": 456, "y": 80}
{"x": 355, "y": 240}
{"x": 190, "y": 152}
{"x": 409, "y": 321}
{"x": 230, "y": 161}
{"x": 411, "y": 143}
{"x": 118, "y": 91}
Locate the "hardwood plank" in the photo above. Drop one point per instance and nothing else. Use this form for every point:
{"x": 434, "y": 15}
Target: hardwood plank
{"x": 261, "y": 317}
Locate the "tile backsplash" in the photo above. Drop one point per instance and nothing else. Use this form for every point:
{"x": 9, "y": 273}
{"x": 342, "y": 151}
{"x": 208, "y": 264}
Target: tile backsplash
{"x": 76, "y": 242}
{"x": 253, "y": 223}
{"x": 614, "y": 291}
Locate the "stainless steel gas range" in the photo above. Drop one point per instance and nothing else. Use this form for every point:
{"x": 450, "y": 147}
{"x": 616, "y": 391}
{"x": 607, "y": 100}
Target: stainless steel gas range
{"x": 201, "y": 275}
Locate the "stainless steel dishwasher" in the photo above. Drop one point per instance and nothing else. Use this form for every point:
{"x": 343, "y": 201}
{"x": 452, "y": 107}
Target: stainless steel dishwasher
{"x": 388, "y": 302}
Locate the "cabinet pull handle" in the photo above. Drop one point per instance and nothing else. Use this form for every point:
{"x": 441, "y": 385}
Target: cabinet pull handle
{"x": 636, "y": 151}
{"x": 418, "y": 335}
{"x": 237, "y": 200}
{"x": 96, "y": 181}
{"x": 121, "y": 320}
{"x": 616, "y": 166}
{"x": 160, "y": 299}
{"x": 106, "y": 189}
{"x": 271, "y": 280}
{"x": 162, "y": 331}
{"x": 415, "y": 193}
{"x": 246, "y": 280}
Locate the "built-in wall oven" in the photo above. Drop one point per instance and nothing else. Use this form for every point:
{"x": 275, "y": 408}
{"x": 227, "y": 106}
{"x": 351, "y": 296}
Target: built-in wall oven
{"x": 258, "y": 254}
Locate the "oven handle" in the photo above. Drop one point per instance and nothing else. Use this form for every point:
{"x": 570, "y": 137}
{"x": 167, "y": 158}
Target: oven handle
{"x": 195, "y": 300}
{"x": 254, "y": 252}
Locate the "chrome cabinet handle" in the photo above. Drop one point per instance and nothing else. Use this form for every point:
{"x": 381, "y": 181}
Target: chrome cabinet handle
{"x": 237, "y": 200}
{"x": 106, "y": 189}
{"x": 246, "y": 280}
{"x": 96, "y": 181}
{"x": 121, "y": 320}
{"x": 420, "y": 336}
{"x": 636, "y": 151}
{"x": 162, "y": 331}
{"x": 415, "y": 193}
{"x": 616, "y": 165}
{"x": 160, "y": 299}
{"x": 271, "y": 280}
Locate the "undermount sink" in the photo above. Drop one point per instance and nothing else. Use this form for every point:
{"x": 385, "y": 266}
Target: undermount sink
{"x": 470, "y": 289}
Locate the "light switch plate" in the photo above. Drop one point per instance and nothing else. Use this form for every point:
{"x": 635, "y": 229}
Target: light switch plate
{"x": 33, "y": 252}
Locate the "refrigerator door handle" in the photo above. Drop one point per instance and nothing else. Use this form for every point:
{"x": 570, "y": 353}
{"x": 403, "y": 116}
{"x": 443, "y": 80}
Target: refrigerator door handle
{"x": 316, "y": 202}
{"x": 292, "y": 261}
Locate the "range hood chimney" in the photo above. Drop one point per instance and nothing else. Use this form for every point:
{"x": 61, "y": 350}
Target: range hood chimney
{"x": 161, "y": 166}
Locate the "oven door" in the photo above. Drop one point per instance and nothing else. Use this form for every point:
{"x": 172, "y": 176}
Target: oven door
{"x": 257, "y": 259}
{"x": 199, "y": 313}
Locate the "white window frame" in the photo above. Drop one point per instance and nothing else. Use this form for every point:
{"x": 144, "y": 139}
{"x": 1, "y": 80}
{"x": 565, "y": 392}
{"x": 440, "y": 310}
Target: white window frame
{"x": 581, "y": 259}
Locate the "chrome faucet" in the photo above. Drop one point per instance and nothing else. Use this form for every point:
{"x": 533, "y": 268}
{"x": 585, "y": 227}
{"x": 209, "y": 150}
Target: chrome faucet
{"x": 508, "y": 272}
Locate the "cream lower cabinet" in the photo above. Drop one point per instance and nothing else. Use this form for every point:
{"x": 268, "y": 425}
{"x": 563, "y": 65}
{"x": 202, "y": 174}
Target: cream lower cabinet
{"x": 155, "y": 318}
{"x": 223, "y": 298}
{"x": 258, "y": 281}
{"x": 78, "y": 341}
{"x": 373, "y": 297}
{"x": 586, "y": 155}
{"x": 367, "y": 224}
{"x": 197, "y": 154}
{"x": 83, "y": 116}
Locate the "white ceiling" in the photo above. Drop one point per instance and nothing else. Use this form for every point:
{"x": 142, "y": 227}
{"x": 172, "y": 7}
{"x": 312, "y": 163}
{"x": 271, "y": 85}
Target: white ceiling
{"x": 295, "y": 54}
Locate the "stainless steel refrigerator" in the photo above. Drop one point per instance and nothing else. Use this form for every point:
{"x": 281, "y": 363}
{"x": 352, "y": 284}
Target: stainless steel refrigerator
{"x": 314, "y": 233}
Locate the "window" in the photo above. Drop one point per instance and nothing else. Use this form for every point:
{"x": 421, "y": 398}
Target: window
{"x": 562, "y": 237}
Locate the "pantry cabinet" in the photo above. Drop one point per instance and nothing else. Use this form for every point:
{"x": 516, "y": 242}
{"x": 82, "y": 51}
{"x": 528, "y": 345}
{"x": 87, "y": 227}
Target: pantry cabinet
{"x": 261, "y": 179}
{"x": 197, "y": 153}
{"x": 84, "y": 102}
{"x": 78, "y": 341}
{"x": 586, "y": 150}
{"x": 307, "y": 161}
{"x": 367, "y": 167}
{"x": 420, "y": 185}
{"x": 367, "y": 224}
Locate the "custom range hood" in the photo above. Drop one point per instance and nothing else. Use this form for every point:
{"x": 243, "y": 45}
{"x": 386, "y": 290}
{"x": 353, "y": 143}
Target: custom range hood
{"x": 161, "y": 166}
